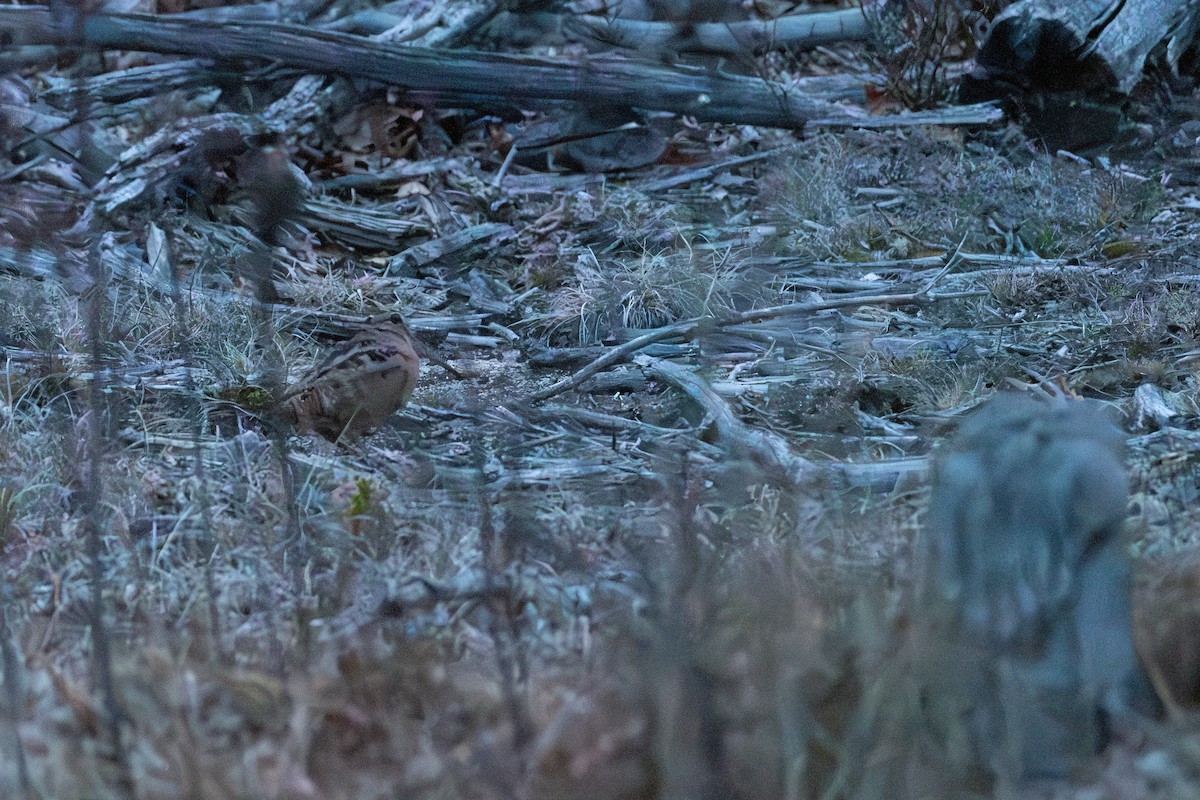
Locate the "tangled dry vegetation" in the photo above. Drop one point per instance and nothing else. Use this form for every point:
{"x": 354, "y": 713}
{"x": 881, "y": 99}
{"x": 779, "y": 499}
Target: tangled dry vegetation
{"x": 683, "y": 575}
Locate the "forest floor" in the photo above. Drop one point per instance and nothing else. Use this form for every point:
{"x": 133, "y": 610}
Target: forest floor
{"x": 677, "y": 577}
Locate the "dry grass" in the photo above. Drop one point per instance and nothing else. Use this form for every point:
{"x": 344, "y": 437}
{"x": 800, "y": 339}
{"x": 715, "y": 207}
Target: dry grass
{"x": 601, "y": 611}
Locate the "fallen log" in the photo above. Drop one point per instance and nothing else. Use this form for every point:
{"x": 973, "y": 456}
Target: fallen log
{"x": 456, "y": 77}
{"x": 1050, "y": 45}
{"x": 1066, "y": 68}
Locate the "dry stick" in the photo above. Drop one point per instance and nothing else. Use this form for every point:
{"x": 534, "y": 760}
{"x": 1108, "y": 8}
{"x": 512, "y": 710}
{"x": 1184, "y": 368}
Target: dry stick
{"x": 192, "y": 393}
{"x": 705, "y": 173}
{"x": 505, "y": 641}
{"x": 682, "y": 709}
{"x": 14, "y": 701}
{"x": 93, "y": 302}
{"x": 121, "y": 86}
{"x": 273, "y": 372}
{"x": 732, "y": 38}
{"x": 114, "y": 715}
{"x": 697, "y": 325}
{"x": 952, "y": 261}
{"x": 972, "y": 114}
{"x": 790, "y": 309}
{"x": 731, "y": 433}
{"x": 880, "y": 476}
{"x": 620, "y": 353}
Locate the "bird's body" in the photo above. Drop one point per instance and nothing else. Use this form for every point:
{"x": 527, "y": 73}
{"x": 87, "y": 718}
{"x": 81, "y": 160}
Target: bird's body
{"x": 1024, "y": 568}
{"x": 1024, "y": 494}
{"x": 360, "y": 384}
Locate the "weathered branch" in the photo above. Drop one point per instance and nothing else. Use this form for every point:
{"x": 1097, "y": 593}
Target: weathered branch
{"x": 727, "y": 38}
{"x": 768, "y": 450}
{"x": 689, "y": 328}
{"x": 732, "y": 38}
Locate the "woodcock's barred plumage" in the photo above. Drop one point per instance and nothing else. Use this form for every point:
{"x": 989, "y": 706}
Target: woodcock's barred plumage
{"x": 359, "y": 385}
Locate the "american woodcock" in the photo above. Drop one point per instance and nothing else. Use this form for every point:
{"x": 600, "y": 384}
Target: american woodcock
{"x": 361, "y": 383}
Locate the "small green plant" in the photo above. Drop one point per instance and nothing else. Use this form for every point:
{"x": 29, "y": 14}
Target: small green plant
{"x": 361, "y": 503}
